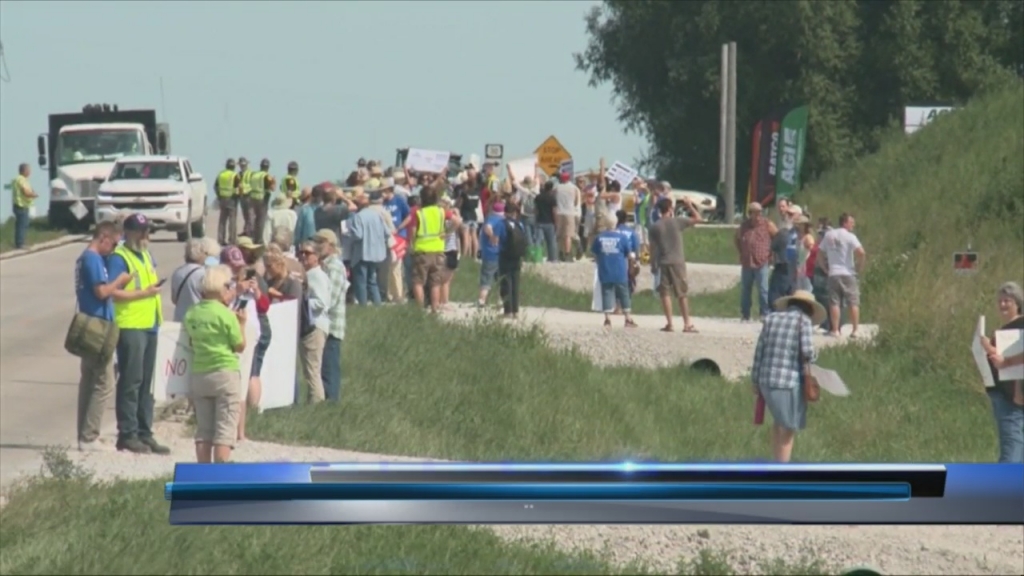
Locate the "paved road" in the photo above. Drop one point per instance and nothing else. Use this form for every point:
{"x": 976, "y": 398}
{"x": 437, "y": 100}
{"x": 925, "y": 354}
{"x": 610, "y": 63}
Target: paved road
{"x": 38, "y": 379}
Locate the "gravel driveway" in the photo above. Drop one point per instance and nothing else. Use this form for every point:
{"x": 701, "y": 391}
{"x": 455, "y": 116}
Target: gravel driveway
{"x": 579, "y": 276}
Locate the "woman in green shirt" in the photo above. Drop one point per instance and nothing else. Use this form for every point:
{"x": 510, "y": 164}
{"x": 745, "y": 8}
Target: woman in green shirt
{"x": 217, "y": 335}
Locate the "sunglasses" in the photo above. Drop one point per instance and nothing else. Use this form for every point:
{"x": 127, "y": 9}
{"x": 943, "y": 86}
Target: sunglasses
{"x": 306, "y": 253}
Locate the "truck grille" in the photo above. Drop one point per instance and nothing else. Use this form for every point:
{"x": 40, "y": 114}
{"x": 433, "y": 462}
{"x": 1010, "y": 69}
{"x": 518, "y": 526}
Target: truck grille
{"x": 134, "y": 206}
{"x": 88, "y": 188}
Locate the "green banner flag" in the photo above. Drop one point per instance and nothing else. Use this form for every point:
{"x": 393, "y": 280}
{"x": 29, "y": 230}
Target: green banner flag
{"x": 789, "y": 154}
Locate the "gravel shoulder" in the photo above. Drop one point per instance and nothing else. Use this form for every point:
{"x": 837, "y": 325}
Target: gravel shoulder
{"x": 892, "y": 549}
{"x": 579, "y": 276}
{"x": 727, "y": 342}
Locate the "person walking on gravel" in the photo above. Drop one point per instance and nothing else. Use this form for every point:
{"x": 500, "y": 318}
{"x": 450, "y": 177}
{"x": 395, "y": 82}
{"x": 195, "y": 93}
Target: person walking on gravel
{"x": 668, "y": 260}
{"x": 613, "y": 251}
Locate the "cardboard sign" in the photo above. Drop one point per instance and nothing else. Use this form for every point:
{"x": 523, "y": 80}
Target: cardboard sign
{"x": 430, "y": 161}
{"x": 523, "y": 167}
{"x": 965, "y": 262}
{"x": 279, "y": 365}
{"x": 621, "y": 173}
{"x": 400, "y": 248}
{"x": 566, "y": 167}
{"x": 980, "y": 357}
{"x": 1010, "y": 343}
{"x": 550, "y": 155}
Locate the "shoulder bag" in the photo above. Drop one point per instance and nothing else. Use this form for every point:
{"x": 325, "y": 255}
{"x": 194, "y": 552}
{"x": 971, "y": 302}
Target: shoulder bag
{"x": 812, "y": 390}
{"x": 89, "y": 336}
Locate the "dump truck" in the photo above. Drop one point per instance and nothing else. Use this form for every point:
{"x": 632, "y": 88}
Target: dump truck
{"x": 80, "y": 149}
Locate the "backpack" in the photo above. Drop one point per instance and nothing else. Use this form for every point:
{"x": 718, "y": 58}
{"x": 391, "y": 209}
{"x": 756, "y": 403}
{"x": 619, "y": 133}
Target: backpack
{"x": 515, "y": 241}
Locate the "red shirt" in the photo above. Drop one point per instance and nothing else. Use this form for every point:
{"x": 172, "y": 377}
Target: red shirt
{"x": 755, "y": 243}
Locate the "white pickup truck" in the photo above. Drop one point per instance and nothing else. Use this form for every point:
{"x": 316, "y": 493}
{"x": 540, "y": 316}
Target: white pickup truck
{"x": 163, "y": 188}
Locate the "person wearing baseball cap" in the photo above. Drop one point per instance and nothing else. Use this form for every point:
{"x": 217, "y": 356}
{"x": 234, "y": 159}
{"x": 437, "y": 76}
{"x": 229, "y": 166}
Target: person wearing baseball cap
{"x": 326, "y": 242}
{"x": 228, "y": 186}
{"x": 138, "y": 313}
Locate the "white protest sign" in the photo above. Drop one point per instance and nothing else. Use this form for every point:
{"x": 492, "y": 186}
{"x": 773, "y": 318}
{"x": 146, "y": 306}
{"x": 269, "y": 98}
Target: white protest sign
{"x": 621, "y": 173}
{"x": 1010, "y": 343}
{"x": 431, "y": 161}
{"x": 278, "y": 372}
{"x": 523, "y": 167}
{"x": 980, "y": 357}
{"x": 173, "y": 366}
{"x": 830, "y": 381}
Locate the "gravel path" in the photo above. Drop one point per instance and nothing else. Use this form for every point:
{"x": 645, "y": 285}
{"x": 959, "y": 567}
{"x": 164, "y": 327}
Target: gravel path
{"x": 727, "y": 342}
{"x": 579, "y": 276}
{"x": 893, "y": 550}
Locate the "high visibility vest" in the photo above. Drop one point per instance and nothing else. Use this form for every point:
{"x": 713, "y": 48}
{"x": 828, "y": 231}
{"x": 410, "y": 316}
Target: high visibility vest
{"x": 19, "y": 185}
{"x": 246, "y": 185}
{"x": 257, "y": 181}
{"x": 144, "y": 313}
{"x": 290, "y": 186}
{"x": 429, "y": 230}
{"x": 226, "y": 184}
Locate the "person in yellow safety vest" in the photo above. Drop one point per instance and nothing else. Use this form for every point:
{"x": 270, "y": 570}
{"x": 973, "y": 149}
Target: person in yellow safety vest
{"x": 138, "y": 314}
{"x": 229, "y": 187}
{"x": 431, "y": 223}
{"x": 261, "y": 184}
{"x": 290, "y": 185}
{"x": 22, "y": 196}
{"x": 243, "y": 199}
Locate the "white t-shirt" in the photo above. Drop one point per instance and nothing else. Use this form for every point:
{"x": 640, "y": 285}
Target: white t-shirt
{"x": 839, "y": 245}
{"x": 565, "y": 198}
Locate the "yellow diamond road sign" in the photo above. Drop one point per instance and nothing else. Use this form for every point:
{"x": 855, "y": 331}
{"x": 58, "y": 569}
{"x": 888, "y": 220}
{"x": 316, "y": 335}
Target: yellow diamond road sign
{"x": 550, "y": 155}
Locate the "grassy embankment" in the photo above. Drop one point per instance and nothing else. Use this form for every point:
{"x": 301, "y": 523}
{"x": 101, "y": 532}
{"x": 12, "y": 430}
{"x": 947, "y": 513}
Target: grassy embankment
{"x": 38, "y": 231}
{"x": 416, "y": 386}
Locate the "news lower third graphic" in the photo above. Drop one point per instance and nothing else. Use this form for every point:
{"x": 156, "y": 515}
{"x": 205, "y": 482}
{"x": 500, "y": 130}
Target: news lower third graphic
{"x": 596, "y": 493}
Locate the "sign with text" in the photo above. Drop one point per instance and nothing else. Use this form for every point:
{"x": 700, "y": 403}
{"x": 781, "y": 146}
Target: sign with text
{"x": 550, "y": 156}
{"x": 494, "y": 151}
{"x": 523, "y": 167}
{"x": 965, "y": 262}
{"x": 567, "y": 167}
{"x": 621, "y": 173}
{"x": 430, "y": 161}
{"x": 917, "y": 117}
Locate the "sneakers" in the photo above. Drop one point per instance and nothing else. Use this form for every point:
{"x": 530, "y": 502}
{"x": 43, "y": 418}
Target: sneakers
{"x": 133, "y": 445}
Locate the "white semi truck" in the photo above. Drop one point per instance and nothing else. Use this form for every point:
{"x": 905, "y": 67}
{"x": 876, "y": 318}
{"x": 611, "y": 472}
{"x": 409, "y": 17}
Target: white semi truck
{"x": 80, "y": 149}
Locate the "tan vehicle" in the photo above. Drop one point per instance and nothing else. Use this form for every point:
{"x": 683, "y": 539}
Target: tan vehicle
{"x": 706, "y": 203}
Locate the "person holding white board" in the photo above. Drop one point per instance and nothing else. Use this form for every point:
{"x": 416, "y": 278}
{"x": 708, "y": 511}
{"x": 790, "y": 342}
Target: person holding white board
{"x": 1007, "y": 397}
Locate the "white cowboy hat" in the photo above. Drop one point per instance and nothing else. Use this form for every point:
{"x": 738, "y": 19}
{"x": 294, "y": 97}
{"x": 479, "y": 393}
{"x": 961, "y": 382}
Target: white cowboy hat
{"x": 804, "y": 297}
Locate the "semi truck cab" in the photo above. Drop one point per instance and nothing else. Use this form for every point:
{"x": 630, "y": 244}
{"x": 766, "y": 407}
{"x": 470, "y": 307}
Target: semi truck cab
{"x": 80, "y": 150}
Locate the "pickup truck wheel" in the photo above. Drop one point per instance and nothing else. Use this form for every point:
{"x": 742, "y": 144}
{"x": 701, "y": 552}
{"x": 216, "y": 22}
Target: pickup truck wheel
{"x": 183, "y": 236}
{"x": 198, "y": 229}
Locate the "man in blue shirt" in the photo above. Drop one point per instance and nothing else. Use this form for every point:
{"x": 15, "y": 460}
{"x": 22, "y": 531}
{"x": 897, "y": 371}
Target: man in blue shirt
{"x": 611, "y": 253}
{"x": 401, "y": 215}
{"x": 491, "y": 235}
{"x": 305, "y": 223}
{"x": 94, "y": 292}
{"x": 136, "y": 346}
{"x": 633, "y": 241}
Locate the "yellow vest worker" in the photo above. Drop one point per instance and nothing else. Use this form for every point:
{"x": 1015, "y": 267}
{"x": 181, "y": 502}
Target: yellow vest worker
{"x": 20, "y": 185}
{"x": 226, "y": 184}
{"x": 290, "y": 185}
{"x": 246, "y": 181}
{"x": 429, "y": 231}
{"x": 257, "y": 184}
{"x": 144, "y": 313}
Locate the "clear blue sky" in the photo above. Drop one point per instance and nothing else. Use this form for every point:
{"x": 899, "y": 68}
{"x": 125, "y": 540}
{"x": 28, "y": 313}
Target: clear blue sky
{"x": 326, "y": 83}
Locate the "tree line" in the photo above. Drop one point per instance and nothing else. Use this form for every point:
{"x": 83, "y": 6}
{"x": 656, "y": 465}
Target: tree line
{"x": 855, "y": 63}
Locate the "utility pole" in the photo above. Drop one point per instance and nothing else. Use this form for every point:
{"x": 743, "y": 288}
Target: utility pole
{"x": 730, "y": 142}
{"x": 723, "y": 88}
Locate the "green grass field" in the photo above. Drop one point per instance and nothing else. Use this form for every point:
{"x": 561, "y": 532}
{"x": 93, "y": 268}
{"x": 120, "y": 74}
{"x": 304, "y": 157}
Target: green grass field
{"x": 536, "y": 291}
{"x": 38, "y": 231}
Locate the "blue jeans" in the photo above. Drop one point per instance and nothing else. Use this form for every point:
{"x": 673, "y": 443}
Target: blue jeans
{"x": 530, "y": 227}
{"x": 21, "y": 221}
{"x": 364, "y": 277}
{"x": 133, "y": 401}
{"x": 546, "y": 233}
{"x": 1010, "y": 427}
{"x": 780, "y": 284}
{"x": 754, "y": 278}
{"x": 612, "y": 293}
{"x": 330, "y": 370}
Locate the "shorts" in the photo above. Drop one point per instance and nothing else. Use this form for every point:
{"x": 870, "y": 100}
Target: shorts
{"x": 428, "y": 268}
{"x": 842, "y": 288}
{"x": 451, "y": 264}
{"x": 217, "y": 399}
{"x": 672, "y": 280}
{"x": 488, "y": 272}
{"x": 641, "y": 234}
{"x": 470, "y": 225}
{"x": 612, "y": 294}
{"x": 565, "y": 227}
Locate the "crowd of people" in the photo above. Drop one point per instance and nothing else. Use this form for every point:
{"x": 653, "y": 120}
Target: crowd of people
{"x": 396, "y": 235}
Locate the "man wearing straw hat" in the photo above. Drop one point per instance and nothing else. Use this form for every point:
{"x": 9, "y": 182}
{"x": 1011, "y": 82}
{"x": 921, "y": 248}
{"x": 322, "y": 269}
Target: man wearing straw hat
{"x": 783, "y": 350}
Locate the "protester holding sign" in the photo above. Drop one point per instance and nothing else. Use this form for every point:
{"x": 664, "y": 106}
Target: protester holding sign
{"x": 217, "y": 336}
{"x": 1007, "y": 397}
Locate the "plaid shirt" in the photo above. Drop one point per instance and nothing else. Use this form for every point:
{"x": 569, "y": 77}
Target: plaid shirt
{"x": 754, "y": 241}
{"x": 785, "y": 339}
{"x": 339, "y": 286}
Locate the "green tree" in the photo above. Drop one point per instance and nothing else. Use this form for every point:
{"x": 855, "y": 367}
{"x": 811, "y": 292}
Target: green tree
{"x": 854, "y": 63}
